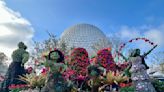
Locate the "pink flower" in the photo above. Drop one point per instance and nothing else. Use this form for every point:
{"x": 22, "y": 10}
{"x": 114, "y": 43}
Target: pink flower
{"x": 1, "y": 78}
{"x": 12, "y": 86}
{"x": 36, "y": 62}
{"x": 29, "y": 69}
{"x": 68, "y": 73}
{"x": 80, "y": 77}
{"x": 22, "y": 85}
{"x": 44, "y": 71}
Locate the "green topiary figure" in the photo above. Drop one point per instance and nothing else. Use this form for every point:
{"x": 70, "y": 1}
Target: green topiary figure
{"x": 55, "y": 81}
{"x": 20, "y": 56}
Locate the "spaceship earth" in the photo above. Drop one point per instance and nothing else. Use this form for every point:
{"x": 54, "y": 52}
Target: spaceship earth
{"x": 82, "y": 35}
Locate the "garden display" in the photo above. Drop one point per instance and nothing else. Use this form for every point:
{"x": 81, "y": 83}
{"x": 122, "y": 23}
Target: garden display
{"x": 76, "y": 72}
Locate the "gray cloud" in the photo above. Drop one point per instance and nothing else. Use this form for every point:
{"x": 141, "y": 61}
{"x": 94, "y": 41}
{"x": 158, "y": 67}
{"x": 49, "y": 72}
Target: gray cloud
{"x": 20, "y": 32}
{"x": 13, "y": 29}
{"x": 155, "y": 34}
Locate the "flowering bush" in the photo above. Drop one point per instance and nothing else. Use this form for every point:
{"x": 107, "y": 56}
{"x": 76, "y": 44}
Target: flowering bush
{"x": 122, "y": 66}
{"x": 79, "y": 61}
{"x": 17, "y": 88}
{"x": 104, "y": 58}
{"x": 69, "y": 74}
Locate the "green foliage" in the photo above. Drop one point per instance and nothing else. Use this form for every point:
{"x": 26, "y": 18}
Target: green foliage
{"x": 16, "y": 90}
{"x": 3, "y": 57}
{"x": 127, "y": 72}
{"x": 159, "y": 85}
{"x": 3, "y": 63}
{"x": 127, "y": 89}
{"x": 94, "y": 71}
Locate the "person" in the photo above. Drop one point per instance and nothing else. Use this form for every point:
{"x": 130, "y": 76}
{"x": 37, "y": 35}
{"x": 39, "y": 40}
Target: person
{"x": 138, "y": 73}
{"x": 19, "y": 57}
{"x": 55, "y": 81}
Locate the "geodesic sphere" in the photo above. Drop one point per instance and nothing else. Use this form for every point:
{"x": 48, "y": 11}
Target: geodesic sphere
{"x": 82, "y": 35}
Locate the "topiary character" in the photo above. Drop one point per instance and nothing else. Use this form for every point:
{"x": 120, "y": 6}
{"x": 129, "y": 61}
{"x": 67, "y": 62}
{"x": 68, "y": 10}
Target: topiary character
{"x": 139, "y": 76}
{"x": 19, "y": 57}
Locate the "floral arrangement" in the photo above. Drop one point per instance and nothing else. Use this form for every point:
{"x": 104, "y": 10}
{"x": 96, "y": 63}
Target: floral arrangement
{"x": 18, "y": 87}
{"x": 115, "y": 77}
{"x": 113, "y": 81}
{"x": 79, "y": 75}
{"x": 79, "y": 61}
{"x": 104, "y": 58}
{"x": 34, "y": 80}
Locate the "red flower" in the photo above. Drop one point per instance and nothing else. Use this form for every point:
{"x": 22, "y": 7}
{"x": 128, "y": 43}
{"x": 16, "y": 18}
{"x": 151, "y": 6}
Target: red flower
{"x": 22, "y": 85}
{"x": 80, "y": 77}
{"x": 60, "y": 69}
{"x": 105, "y": 58}
{"x": 125, "y": 84}
{"x": 122, "y": 85}
{"x": 130, "y": 40}
{"x": 44, "y": 71}
{"x": 146, "y": 40}
{"x": 67, "y": 74}
{"x": 29, "y": 69}
{"x": 79, "y": 60}
{"x": 112, "y": 65}
{"x": 12, "y": 86}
